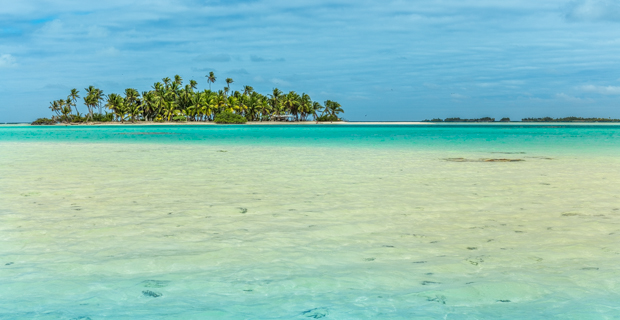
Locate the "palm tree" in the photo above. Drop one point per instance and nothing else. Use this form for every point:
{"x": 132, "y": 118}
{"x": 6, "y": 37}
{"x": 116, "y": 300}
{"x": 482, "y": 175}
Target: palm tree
{"x": 73, "y": 96}
{"x": 200, "y": 105}
{"x": 305, "y": 106}
{"x": 178, "y": 80}
{"x": 211, "y": 79}
{"x": 316, "y": 107}
{"x": 93, "y": 100}
{"x": 62, "y": 108}
{"x": 158, "y": 87}
{"x": 220, "y": 101}
{"x": 228, "y": 82}
{"x": 247, "y": 90}
{"x": 265, "y": 109}
{"x": 274, "y": 100}
{"x": 174, "y": 88}
{"x": 132, "y": 103}
{"x": 232, "y": 104}
{"x": 333, "y": 108}
{"x": 65, "y": 110}
{"x": 212, "y": 105}
{"x": 184, "y": 97}
{"x": 55, "y": 106}
{"x": 291, "y": 103}
{"x": 166, "y": 81}
{"x": 116, "y": 103}
{"x": 253, "y": 103}
{"x": 149, "y": 108}
{"x": 169, "y": 110}
{"x": 243, "y": 108}
{"x": 89, "y": 101}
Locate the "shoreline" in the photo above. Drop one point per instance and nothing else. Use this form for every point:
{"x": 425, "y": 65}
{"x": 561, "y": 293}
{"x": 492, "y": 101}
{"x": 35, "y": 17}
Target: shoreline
{"x": 193, "y": 123}
{"x": 345, "y": 123}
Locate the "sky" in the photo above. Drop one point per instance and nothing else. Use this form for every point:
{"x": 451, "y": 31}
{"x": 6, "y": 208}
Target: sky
{"x": 381, "y": 60}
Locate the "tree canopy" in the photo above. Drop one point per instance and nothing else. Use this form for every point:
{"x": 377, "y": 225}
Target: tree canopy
{"x": 170, "y": 100}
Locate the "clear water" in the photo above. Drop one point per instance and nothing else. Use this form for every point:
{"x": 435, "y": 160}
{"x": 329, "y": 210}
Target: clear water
{"x": 306, "y": 222}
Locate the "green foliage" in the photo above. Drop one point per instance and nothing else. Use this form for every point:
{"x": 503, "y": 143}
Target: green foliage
{"x": 505, "y": 120}
{"x": 77, "y": 119}
{"x": 327, "y": 117}
{"x": 569, "y": 119}
{"x": 108, "y": 117}
{"x": 43, "y": 121}
{"x": 229, "y": 117}
{"x": 485, "y": 119}
{"x": 171, "y": 100}
{"x": 332, "y": 108}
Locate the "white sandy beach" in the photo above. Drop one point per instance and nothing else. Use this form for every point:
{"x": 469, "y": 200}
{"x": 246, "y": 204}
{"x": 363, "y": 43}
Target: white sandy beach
{"x": 260, "y": 123}
{"x": 271, "y": 123}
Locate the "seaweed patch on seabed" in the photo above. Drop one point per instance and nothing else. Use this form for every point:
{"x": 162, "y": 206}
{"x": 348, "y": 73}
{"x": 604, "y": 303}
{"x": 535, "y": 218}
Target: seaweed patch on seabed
{"x": 482, "y": 160}
{"x": 145, "y": 133}
{"x": 155, "y": 283}
{"x": 438, "y": 298}
{"x": 149, "y": 293}
{"x": 316, "y": 313}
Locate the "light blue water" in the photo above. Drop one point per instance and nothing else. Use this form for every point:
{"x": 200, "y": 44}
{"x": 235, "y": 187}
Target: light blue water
{"x": 513, "y": 136}
{"x": 306, "y": 222}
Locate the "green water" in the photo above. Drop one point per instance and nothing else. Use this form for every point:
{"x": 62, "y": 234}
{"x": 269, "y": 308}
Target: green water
{"x": 305, "y": 222}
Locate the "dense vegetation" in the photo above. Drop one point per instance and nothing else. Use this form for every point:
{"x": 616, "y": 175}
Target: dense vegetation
{"x": 169, "y": 100}
{"x": 485, "y": 119}
{"x": 546, "y": 119}
{"x": 229, "y": 117}
{"x": 569, "y": 119}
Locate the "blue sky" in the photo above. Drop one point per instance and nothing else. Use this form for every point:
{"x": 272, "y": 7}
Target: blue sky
{"x": 382, "y": 60}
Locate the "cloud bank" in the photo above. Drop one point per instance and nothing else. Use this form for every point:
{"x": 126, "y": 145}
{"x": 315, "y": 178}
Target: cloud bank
{"x": 594, "y": 10}
{"x": 607, "y": 90}
{"x": 7, "y": 61}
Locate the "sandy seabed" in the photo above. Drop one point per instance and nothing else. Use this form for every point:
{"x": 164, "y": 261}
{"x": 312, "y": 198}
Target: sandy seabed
{"x": 162, "y": 231}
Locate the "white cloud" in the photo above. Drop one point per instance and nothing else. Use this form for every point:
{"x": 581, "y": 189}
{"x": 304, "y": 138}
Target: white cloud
{"x": 566, "y": 97}
{"x": 97, "y": 32}
{"x": 7, "y": 61}
{"x": 593, "y": 10}
{"x": 607, "y": 90}
{"x": 52, "y": 27}
{"x": 458, "y": 96}
{"x": 486, "y": 84}
{"x": 110, "y": 51}
{"x": 431, "y": 85}
{"x": 513, "y": 82}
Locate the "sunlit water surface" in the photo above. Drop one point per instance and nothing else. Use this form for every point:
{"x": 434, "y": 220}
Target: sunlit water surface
{"x": 356, "y": 222}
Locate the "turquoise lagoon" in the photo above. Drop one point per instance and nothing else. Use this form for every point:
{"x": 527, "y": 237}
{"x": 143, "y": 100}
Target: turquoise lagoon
{"x": 309, "y": 222}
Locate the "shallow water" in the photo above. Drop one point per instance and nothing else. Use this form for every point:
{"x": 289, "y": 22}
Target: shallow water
{"x": 310, "y": 222}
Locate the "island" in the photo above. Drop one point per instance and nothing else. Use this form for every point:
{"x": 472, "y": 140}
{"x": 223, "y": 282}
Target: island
{"x": 171, "y": 101}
